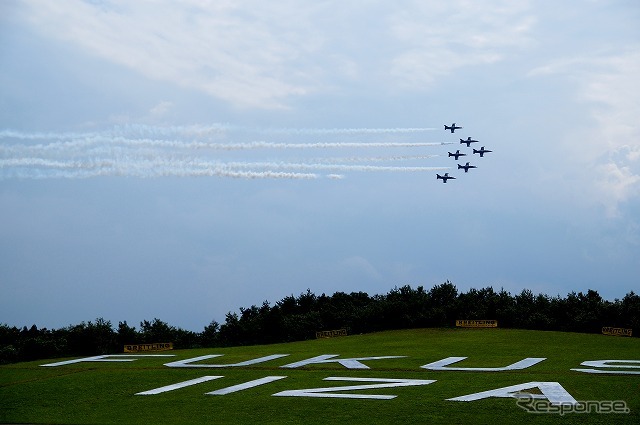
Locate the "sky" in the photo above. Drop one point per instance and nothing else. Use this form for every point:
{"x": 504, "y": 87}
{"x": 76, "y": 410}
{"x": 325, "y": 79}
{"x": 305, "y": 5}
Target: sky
{"x": 180, "y": 160}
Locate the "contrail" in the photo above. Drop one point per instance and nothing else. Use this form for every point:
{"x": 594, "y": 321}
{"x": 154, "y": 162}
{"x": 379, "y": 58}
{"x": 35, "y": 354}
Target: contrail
{"x": 204, "y": 129}
{"x": 38, "y": 155}
{"x": 175, "y": 144}
{"x": 346, "y": 130}
{"x": 251, "y": 175}
{"x": 200, "y": 130}
{"x": 121, "y": 131}
{"x": 38, "y": 168}
{"x": 24, "y": 167}
{"x": 14, "y": 134}
{"x": 331, "y": 167}
{"x": 48, "y": 163}
{"x": 325, "y": 145}
{"x": 376, "y": 158}
{"x": 335, "y": 176}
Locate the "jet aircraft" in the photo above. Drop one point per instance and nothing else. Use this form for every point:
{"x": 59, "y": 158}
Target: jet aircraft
{"x": 457, "y": 154}
{"x": 445, "y": 177}
{"x": 468, "y": 141}
{"x": 466, "y": 167}
{"x": 453, "y": 127}
{"x": 481, "y": 151}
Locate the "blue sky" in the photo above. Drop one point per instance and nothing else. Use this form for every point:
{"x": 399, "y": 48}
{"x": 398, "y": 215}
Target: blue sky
{"x": 132, "y": 186}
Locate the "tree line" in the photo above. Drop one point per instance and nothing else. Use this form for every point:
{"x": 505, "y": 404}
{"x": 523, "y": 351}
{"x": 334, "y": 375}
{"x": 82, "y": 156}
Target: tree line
{"x": 298, "y": 318}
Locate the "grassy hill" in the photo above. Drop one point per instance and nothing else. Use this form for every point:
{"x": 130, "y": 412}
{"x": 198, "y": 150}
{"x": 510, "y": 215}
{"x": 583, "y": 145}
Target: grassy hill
{"x": 107, "y": 392}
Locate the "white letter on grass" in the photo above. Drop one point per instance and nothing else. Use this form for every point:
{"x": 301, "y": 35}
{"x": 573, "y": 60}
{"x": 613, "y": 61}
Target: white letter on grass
{"x": 179, "y": 385}
{"x": 245, "y": 385}
{"x": 187, "y": 362}
{"x": 442, "y": 365}
{"x": 552, "y": 391}
{"x": 630, "y": 364}
{"x": 353, "y": 363}
{"x": 106, "y": 358}
{"x": 330, "y": 392}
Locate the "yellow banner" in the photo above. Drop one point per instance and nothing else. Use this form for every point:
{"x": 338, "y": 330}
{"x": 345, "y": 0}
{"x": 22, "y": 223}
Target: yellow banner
{"x": 477, "y": 323}
{"x": 331, "y": 334}
{"x": 157, "y": 346}
{"x": 608, "y": 330}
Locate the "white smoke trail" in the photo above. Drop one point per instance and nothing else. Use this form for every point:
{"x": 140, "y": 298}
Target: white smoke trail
{"x": 199, "y": 131}
{"x": 207, "y": 129}
{"x": 116, "y": 153}
{"x": 375, "y": 158}
{"x": 331, "y": 167}
{"x": 38, "y": 168}
{"x": 110, "y": 142}
{"x": 326, "y": 145}
{"x": 222, "y": 172}
{"x": 126, "y": 131}
{"x": 310, "y": 131}
{"x": 14, "y": 134}
{"x": 251, "y": 175}
{"x": 335, "y": 176}
{"x": 48, "y": 163}
{"x": 159, "y": 167}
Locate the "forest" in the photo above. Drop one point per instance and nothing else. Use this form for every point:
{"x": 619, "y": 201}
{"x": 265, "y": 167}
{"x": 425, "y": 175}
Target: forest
{"x": 298, "y": 318}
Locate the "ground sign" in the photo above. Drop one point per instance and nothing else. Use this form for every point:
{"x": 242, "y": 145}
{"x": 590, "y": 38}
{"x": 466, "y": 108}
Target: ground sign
{"x": 416, "y": 376}
{"x": 607, "y": 330}
{"x": 158, "y": 346}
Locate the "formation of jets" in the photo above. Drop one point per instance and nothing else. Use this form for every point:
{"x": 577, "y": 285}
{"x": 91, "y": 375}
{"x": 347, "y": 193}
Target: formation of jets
{"x": 457, "y": 154}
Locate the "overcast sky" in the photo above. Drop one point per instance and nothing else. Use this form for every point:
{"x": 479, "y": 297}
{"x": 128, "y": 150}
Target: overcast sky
{"x": 179, "y": 160}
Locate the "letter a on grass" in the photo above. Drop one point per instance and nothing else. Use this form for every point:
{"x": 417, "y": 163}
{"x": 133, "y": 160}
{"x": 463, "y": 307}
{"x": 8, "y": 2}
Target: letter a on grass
{"x": 552, "y": 391}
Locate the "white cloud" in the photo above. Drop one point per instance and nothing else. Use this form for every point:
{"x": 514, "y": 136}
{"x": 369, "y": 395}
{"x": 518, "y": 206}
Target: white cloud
{"x": 614, "y": 95}
{"x": 439, "y": 38}
{"x": 257, "y": 54}
{"x": 231, "y": 50}
{"x": 618, "y": 183}
{"x": 608, "y": 152}
{"x": 161, "y": 109}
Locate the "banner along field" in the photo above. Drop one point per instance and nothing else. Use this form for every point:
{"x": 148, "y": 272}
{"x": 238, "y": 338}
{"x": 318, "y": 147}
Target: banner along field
{"x": 408, "y": 376}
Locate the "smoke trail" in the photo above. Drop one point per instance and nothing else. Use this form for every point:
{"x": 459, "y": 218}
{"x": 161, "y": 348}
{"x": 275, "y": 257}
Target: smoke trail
{"x": 326, "y": 145}
{"x": 250, "y": 175}
{"x": 218, "y": 128}
{"x": 14, "y": 134}
{"x": 48, "y": 163}
{"x": 126, "y": 131}
{"x": 375, "y": 158}
{"x": 221, "y": 172}
{"x": 158, "y": 167}
{"x": 199, "y": 131}
{"x": 116, "y": 153}
{"x": 175, "y": 144}
{"x": 194, "y": 164}
{"x": 38, "y": 168}
{"x": 304, "y": 131}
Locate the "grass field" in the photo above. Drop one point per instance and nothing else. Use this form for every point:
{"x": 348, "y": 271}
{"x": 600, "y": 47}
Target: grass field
{"x": 105, "y": 392}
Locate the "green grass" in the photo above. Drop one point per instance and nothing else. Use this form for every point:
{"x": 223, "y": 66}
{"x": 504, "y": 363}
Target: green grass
{"x": 104, "y": 393}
